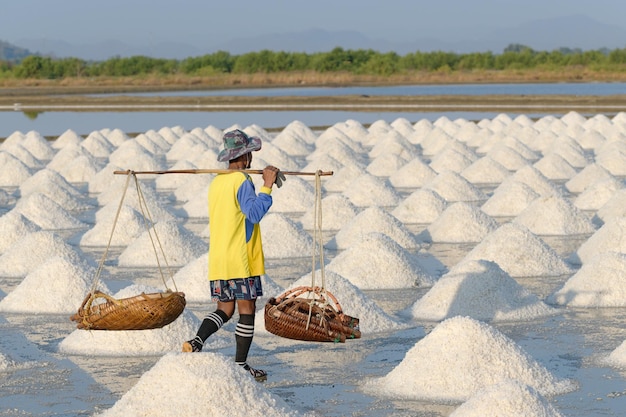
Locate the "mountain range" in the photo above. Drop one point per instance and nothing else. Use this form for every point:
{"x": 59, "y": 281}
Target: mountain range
{"x": 573, "y": 32}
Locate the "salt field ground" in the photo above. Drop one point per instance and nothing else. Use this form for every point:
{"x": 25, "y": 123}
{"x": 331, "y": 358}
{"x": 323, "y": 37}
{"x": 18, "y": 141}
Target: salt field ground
{"x": 485, "y": 260}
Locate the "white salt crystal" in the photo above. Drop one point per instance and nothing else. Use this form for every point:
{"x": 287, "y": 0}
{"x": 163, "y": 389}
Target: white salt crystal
{"x": 421, "y": 206}
{"x": 413, "y": 174}
{"x": 46, "y": 213}
{"x": 284, "y": 238}
{"x": 509, "y": 199}
{"x": 554, "y": 215}
{"x": 14, "y": 226}
{"x": 460, "y": 222}
{"x": 337, "y": 210}
{"x": 453, "y": 187}
{"x": 611, "y": 237}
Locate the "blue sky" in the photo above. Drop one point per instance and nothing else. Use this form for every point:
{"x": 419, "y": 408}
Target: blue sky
{"x": 191, "y": 21}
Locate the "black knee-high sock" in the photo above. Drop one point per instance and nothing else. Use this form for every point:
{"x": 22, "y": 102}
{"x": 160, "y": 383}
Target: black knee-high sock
{"x": 243, "y": 336}
{"x": 211, "y": 323}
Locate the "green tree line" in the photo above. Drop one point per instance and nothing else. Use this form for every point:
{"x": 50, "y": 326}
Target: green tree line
{"x": 361, "y": 62}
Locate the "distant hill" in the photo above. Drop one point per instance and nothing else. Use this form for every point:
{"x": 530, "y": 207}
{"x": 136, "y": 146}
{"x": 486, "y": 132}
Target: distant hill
{"x": 9, "y": 52}
{"x": 574, "y": 32}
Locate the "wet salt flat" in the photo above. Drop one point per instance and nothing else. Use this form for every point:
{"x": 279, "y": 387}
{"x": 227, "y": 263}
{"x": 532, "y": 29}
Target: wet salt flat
{"x": 485, "y": 261}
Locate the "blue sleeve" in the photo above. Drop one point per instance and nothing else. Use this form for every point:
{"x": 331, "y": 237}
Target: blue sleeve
{"x": 253, "y": 206}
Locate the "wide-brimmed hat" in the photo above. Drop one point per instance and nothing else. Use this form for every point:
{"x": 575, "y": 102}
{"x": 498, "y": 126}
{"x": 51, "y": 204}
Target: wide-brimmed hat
{"x": 237, "y": 143}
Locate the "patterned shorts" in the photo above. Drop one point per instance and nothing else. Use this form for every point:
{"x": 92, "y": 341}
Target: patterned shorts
{"x": 236, "y": 289}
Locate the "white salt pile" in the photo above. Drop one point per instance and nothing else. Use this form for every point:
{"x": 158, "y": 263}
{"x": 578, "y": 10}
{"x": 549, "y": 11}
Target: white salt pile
{"x": 392, "y": 267}
{"x": 385, "y": 164}
{"x": 554, "y": 215}
{"x": 471, "y": 361}
{"x": 32, "y": 250}
{"x": 67, "y": 138}
{"x": 481, "y": 290}
{"x": 555, "y": 167}
{"x": 597, "y": 194}
{"x": 611, "y": 237}
{"x": 485, "y": 171}
{"x": 454, "y": 157}
{"x": 169, "y": 239}
{"x": 193, "y": 280}
{"x": 98, "y": 145}
{"x": 614, "y": 207}
{"x": 138, "y": 342}
{"x": 284, "y": 238}
{"x": 531, "y": 176}
{"x": 46, "y": 213}
{"x": 373, "y": 219}
{"x": 117, "y": 228}
{"x": 198, "y": 384}
{"x": 13, "y": 172}
{"x": 507, "y": 157}
{"x": 510, "y": 398}
{"x": 337, "y": 210}
{"x": 57, "y": 286}
{"x": 509, "y": 200}
{"x": 617, "y": 357}
{"x": 342, "y": 178}
{"x": 368, "y": 190}
{"x": 421, "y": 206}
{"x": 296, "y": 195}
{"x": 198, "y": 206}
{"x": 143, "y": 199}
{"x": 460, "y": 222}
{"x": 590, "y": 174}
{"x": 131, "y": 155}
{"x": 413, "y": 174}
{"x": 600, "y": 282}
{"x": 453, "y": 187}
{"x": 519, "y": 252}
{"x": 14, "y": 226}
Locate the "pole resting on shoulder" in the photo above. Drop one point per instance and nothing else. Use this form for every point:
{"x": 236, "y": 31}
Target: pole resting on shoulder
{"x": 216, "y": 171}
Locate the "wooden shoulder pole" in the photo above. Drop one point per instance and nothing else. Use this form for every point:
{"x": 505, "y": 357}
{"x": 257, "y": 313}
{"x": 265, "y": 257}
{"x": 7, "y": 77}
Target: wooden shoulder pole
{"x": 215, "y": 171}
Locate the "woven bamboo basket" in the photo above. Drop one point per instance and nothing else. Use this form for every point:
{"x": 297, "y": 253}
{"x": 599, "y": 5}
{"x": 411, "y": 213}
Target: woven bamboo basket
{"x": 141, "y": 312}
{"x": 310, "y": 314}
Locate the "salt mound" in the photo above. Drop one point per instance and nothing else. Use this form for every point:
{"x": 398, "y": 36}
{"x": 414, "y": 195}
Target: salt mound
{"x": 337, "y": 210}
{"x": 14, "y": 226}
{"x": 284, "y": 238}
{"x": 519, "y": 252}
{"x": 612, "y": 158}
{"x": 341, "y": 179}
{"x": 421, "y": 206}
{"x": 590, "y": 174}
{"x": 531, "y": 176}
{"x": 385, "y": 165}
{"x": 434, "y": 141}
{"x": 617, "y": 357}
{"x": 185, "y": 384}
{"x": 597, "y": 194}
{"x": 600, "y": 282}
{"x": 507, "y": 157}
{"x": 276, "y": 156}
{"x": 116, "y": 136}
{"x": 193, "y": 280}
{"x": 47, "y": 214}
{"x": 131, "y": 155}
{"x": 614, "y": 207}
{"x": 482, "y": 290}
{"x": 173, "y": 181}
{"x": 197, "y": 206}
{"x": 611, "y": 237}
{"x": 180, "y": 148}
{"x": 393, "y": 143}
{"x": 129, "y": 224}
{"x": 98, "y": 145}
{"x": 32, "y": 250}
{"x": 67, "y": 138}
{"x": 554, "y": 215}
{"x": 23, "y": 155}
{"x": 368, "y": 190}
{"x": 193, "y": 188}
{"x": 38, "y": 146}
{"x": 80, "y": 169}
{"x": 56, "y": 188}
{"x": 451, "y": 158}
{"x": 453, "y": 187}
{"x": 413, "y": 174}
{"x": 508, "y": 398}
{"x": 57, "y": 286}
{"x": 373, "y": 219}
{"x": 554, "y": 167}
{"x": 567, "y": 148}
{"x": 509, "y": 200}
{"x": 137, "y": 342}
{"x": 102, "y": 179}
{"x": 378, "y": 262}
{"x": 296, "y": 195}
{"x": 339, "y": 145}
{"x": 13, "y": 172}
{"x": 461, "y": 222}
{"x": 179, "y": 245}
{"x": 292, "y": 142}
{"x": 485, "y": 171}
{"x": 476, "y": 356}
{"x": 149, "y": 203}
{"x": 327, "y": 163}
{"x": 353, "y": 302}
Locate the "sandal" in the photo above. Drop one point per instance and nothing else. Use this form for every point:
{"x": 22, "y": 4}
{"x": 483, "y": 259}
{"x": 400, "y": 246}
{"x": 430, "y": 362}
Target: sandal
{"x": 258, "y": 374}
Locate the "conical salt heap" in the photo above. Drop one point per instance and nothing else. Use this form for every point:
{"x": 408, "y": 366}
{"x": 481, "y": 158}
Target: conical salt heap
{"x": 14, "y": 171}
{"x": 600, "y": 282}
{"x": 353, "y": 302}
{"x": 485, "y": 171}
{"x": 394, "y": 143}
{"x": 192, "y": 279}
{"x": 296, "y": 195}
{"x": 57, "y": 188}
{"x": 197, "y": 206}
{"x": 38, "y": 146}
{"x": 284, "y": 238}
{"x": 32, "y": 250}
{"x": 510, "y": 398}
{"x": 57, "y": 286}
{"x": 129, "y": 225}
{"x": 179, "y": 245}
{"x": 413, "y": 174}
{"x": 554, "y": 215}
{"x": 46, "y": 213}
{"x": 617, "y": 357}
{"x": 461, "y": 222}
{"x": 614, "y": 207}
{"x": 454, "y": 157}
{"x": 453, "y": 187}
{"x": 337, "y": 211}
{"x": 67, "y": 138}
{"x": 421, "y": 206}
{"x": 292, "y": 142}
{"x": 180, "y": 149}
{"x": 368, "y": 190}
{"x": 98, "y": 145}
{"x": 131, "y": 155}
{"x": 519, "y": 252}
{"x": 392, "y": 267}
{"x": 173, "y": 181}
{"x": 611, "y": 237}
{"x": 14, "y": 226}
{"x": 373, "y": 219}
{"x": 507, "y": 157}
{"x": 612, "y": 157}
{"x": 583, "y": 179}
{"x": 531, "y": 176}
{"x": 482, "y": 290}
{"x": 21, "y": 153}
{"x": 597, "y": 194}
{"x": 476, "y": 356}
{"x": 149, "y": 202}
{"x": 509, "y": 200}
{"x": 182, "y": 384}
{"x": 342, "y": 178}
{"x": 385, "y": 165}
{"x": 554, "y": 167}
